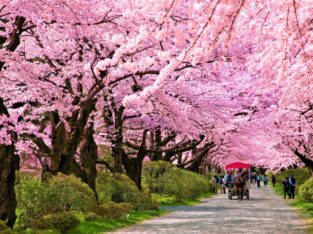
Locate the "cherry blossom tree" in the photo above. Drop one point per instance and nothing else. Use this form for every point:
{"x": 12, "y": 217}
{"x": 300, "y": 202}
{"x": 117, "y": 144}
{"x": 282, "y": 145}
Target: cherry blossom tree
{"x": 195, "y": 83}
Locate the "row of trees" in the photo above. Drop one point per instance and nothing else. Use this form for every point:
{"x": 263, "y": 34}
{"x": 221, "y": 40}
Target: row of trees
{"x": 182, "y": 81}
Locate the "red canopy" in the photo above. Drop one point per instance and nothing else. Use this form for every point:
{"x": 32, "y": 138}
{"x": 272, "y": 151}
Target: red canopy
{"x": 236, "y": 165}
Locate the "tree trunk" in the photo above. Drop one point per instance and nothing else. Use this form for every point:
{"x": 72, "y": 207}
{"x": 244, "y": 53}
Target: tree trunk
{"x": 133, "y": 168}
{"x": 157, "y": 145}
{"x": 117, "y": 151}
{"x": 307, "y": 162}
{"x": 9, "y": 163}
{"x": 117, "y": 141}
{"x": 89, "y": 156}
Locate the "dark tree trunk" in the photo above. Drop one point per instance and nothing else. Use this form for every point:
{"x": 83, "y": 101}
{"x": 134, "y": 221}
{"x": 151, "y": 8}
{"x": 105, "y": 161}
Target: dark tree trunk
{"x": 117, "y": 141}
{"x": 157, "y": 145}
{"x": 198, "y": 156}
{"x": 307, "y": 162}
{"x": 89, "y": 156}
{"x": 195, "y": 167}
{"x": 66, "y": 143}
{"x": 133, "y": 168}
{"x": 14, "y": 40}
{"x": 9, "y": 163}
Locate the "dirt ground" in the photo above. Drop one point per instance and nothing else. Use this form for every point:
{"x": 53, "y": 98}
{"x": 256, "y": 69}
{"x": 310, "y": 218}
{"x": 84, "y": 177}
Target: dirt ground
{"x": 265, "y": 212}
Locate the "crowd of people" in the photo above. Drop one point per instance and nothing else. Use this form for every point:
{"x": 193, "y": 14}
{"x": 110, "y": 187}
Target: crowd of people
{"x": 242, "y": 178}
{"x": 220, "y": 183}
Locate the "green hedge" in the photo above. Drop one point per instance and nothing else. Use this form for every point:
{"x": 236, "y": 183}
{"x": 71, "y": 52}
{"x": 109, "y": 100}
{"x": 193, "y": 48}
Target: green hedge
{"x": 120, "y": 188}
{"x": 165, "y": 178}
{"x": 58, "y": 194}
{"x": 306, "y": 191}
{"x": 62, "y": 222}
{"x": 114, "y": 210}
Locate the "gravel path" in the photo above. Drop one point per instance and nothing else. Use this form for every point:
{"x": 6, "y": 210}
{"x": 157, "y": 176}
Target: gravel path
{"x": 265, "y": 212}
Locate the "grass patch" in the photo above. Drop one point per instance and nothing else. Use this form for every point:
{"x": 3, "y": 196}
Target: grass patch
{"x": 30, "y": 231}
{"x": 306, "y": 211}
{"x": 171, "y": 200}
{"x": 105, "y": 225}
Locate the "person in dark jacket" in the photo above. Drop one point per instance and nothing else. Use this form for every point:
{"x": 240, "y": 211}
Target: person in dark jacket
{"x": 258, "y": 180}
{"x": 292, "y": 187}
{"x": 265, "y": 180}
{"x": 286, "y": 187}
{"x": 273, "y": 180}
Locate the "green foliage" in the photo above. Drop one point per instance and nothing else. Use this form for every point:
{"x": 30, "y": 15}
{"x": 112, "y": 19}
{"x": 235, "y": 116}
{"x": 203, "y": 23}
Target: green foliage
{"x": 62, "y": 222}
{"x": 306, "y": 191}
{"x": 114, "y": 210}
{"x": 91, "y": 216}
{"x": 56, "y": 195}
{"x": 4, "y": 229}
{"x": 165, "y": 178}
{"x": 120, "y": 188}
{"x": 72, "y": 193}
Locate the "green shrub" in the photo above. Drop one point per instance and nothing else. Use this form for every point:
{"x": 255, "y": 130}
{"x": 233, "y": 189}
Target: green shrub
{"x": 91, "y": 216}
{"x": 114, "y": 210}
{"x": 56, "y": 195}
{"x": 306, "y": 191}
{"x": 71, "y": 194}
{"x": 120, "y": 188}
{"x": 62, "y": 222}
{"x": 163, "y": 177}
{"x": 4, "y": 229}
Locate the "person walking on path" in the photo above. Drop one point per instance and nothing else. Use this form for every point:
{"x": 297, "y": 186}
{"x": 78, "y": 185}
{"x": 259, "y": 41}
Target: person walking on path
{"x": 214, "y": 184}
{"x": 285, "y": 183}
{"x": 292, "y": 187}
{"x": 273, "y": 180}
{"x": 265, "y": 180}
{"x": 228, "y": 179}
{"x": 258, "y": 180}
{"x": 222, "y": 184}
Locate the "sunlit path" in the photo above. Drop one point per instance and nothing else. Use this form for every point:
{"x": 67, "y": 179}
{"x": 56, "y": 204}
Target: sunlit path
{"x": 265, "y": 212}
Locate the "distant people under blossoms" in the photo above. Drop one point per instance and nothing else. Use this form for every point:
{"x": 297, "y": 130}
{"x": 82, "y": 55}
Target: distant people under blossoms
{"x": 214, "y": 184}
{"x": 265, "y": 180}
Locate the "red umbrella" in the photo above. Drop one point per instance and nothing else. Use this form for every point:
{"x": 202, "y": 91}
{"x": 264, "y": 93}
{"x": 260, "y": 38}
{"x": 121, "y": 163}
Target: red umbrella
{"x": 236, "y": 165}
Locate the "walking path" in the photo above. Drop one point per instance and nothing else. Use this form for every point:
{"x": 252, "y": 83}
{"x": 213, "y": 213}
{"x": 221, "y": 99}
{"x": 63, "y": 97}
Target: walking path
{"x": 265, "y": 212}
